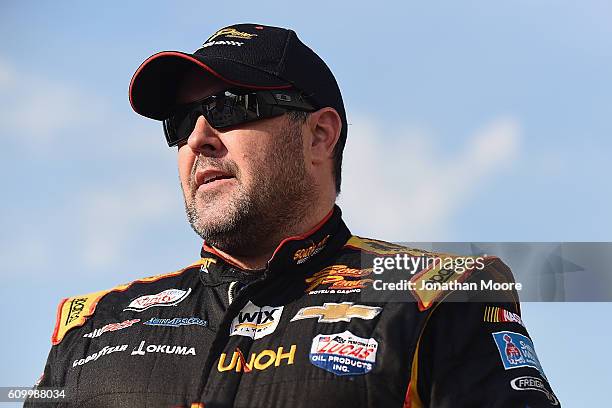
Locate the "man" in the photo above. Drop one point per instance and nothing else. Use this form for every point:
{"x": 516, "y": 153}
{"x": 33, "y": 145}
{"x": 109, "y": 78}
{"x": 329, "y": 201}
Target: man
{"x": 280, "y": 310}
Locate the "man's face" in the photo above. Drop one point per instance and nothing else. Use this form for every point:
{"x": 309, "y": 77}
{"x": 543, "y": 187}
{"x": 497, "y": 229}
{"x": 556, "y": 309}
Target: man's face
{"x": 245, "y": 185}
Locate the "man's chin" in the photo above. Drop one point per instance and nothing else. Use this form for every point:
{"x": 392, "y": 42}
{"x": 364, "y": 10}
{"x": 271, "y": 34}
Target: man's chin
{"x": 217, "y": 212}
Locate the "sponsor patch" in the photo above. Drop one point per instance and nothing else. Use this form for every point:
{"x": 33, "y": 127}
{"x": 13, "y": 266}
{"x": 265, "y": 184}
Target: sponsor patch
{"x": 343, "y": 353}
{"x": 75, "y": 309}
{"x": 111, "y": 327}
{"x": 339, "y": 278}
{"x": 176, "y": 322}
{"x": 516, "y": 351}
{"x": 104, "y": 352}
{"x": 256, "y": 322}
{"x": 141, "y": 350}
{"x": 258, "y": 360}
{"x": 73, "y": 312}
{"x": 337, "y": 312}
{"x": 302, "y": 255}
{"x": 527, "y": 383}
{"x": 168, "y": 297}
{"x": 498, "y": 314}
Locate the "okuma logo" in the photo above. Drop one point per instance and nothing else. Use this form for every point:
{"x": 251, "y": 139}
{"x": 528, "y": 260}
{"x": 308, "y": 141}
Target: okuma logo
{"x": 256, "y": 322}
{"x": 141, "y": 350}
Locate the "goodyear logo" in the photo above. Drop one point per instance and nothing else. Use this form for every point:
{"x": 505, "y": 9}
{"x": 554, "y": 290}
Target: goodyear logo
{"x": 337, "y": 312}
{"x": 339, "y": 277}
{"x": 257, "y": 361}
{"x": 256, "y": 322}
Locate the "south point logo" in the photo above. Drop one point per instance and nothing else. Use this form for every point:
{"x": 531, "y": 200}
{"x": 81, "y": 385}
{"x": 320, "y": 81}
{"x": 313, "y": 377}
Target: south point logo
{"x": 256, "y": 322}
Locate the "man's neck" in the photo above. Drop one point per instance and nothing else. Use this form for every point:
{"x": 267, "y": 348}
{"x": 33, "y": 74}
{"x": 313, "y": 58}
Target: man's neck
{"x": 259, "y": 260}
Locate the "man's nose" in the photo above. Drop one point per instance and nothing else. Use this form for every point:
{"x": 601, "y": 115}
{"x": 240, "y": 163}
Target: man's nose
{"x": 204, "y": 139}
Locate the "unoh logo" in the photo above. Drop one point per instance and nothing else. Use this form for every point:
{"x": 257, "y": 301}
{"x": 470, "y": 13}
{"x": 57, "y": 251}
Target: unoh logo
{"x": 256, "y": 322}
{"x": 343, "y": 353}
{"x": 257, "y": 361}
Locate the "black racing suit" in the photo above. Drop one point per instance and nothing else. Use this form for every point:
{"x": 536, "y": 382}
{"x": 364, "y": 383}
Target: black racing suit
{"x": 297, "y": 334}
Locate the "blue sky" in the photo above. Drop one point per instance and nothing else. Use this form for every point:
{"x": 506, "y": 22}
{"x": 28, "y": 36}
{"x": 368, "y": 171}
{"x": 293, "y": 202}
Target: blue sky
{"x": 469, "y": 121}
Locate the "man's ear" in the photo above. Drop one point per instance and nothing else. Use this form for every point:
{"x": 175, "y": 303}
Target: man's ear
{"x": 325, "y": 125}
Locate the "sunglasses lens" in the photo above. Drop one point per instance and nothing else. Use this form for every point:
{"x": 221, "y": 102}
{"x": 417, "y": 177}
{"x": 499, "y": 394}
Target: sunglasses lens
{"x": 225, "y": 110}
{"x": 179, "y": 126}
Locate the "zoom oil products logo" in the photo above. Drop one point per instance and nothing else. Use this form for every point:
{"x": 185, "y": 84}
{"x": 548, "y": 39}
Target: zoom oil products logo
{"x": 256, "y": 322}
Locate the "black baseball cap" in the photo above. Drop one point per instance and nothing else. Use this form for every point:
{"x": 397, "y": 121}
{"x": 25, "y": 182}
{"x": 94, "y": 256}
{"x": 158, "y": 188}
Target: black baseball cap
{"x": 251, "y": 56}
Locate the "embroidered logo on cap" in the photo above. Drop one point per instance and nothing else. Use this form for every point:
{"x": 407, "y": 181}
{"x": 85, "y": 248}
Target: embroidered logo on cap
{"x": 231, "y": 33}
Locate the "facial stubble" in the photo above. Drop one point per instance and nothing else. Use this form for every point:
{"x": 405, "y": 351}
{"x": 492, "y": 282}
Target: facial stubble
{"x": 255, "y": 217}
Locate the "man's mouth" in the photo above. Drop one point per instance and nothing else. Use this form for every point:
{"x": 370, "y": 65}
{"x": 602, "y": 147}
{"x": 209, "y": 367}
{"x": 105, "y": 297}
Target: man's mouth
{"x": 210, "y": 176}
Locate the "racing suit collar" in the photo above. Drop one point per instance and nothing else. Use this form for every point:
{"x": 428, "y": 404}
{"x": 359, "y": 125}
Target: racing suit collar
{"x": 301, "y": 252}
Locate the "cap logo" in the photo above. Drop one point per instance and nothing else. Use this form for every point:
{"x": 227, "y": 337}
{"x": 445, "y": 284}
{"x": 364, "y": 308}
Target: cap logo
{"x": 231, "y": 33}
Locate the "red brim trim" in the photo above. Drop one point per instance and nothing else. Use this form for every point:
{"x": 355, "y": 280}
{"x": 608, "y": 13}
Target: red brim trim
{"x": 198, "y": 63}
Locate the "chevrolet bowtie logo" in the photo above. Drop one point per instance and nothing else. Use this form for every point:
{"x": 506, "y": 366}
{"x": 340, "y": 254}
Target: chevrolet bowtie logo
{"x": 337, "y": 312}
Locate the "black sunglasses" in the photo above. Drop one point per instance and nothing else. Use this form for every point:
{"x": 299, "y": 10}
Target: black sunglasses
{"x": 231, "y": 108}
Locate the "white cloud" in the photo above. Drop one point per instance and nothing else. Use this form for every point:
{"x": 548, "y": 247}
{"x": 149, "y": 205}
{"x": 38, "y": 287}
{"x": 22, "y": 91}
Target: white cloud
{"x": 35, "y": 110}
{"x": 401, "y": 187}
{"x": 112, "y": 217}
{"x": 6, "y": 74}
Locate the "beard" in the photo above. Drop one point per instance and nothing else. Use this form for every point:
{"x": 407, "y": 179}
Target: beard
{"x": 254, "y": 217}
